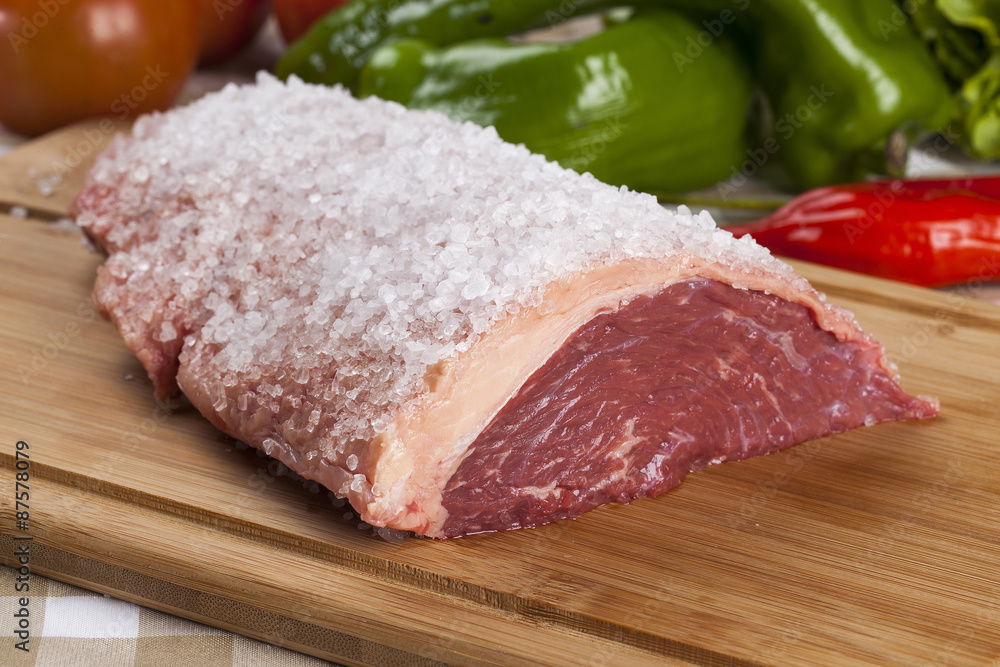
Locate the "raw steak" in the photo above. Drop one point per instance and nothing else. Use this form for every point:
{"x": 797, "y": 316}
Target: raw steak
{"x": 449, "y": 331}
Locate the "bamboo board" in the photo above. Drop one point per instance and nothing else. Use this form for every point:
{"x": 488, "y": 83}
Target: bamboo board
{"x": 881, "y": 545}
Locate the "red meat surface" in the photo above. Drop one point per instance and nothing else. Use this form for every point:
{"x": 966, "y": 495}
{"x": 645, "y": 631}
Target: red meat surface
{"x": 700, "y": 373}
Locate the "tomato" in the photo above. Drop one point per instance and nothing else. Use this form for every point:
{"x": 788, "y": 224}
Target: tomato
{"x": 227, "y": 26}
{"x": 296, "y": 16}
{"x": 65, "y": 60}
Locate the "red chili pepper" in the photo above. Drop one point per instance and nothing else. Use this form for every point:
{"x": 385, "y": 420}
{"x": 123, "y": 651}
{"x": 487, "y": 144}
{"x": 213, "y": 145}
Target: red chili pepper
{"x": 924, "y": 232}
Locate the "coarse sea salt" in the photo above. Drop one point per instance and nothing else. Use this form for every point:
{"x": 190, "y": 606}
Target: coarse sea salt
{"x": 328, "y": 251}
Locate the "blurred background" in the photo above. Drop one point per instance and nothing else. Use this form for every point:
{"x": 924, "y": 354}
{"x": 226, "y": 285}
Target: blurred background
{"x": 727, "y": 105}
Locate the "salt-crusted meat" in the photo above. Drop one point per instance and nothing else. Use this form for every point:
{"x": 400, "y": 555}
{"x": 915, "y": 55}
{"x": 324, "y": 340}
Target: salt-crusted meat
{"x": 451, "y": 332}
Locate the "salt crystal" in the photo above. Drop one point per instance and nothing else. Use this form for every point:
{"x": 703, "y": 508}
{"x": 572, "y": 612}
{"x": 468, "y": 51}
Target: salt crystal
{"x": 47, "y": 186}
{"x": 358, "y": 484}
{"x": 391, "y": 535}
{"x": 478, "y": 285}
{"x": 167, "y": 332}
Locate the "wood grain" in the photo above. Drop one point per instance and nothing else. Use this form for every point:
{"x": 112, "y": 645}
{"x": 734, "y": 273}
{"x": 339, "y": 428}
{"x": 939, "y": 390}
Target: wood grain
{"x": 45, "y": 175}
{"x": 875, "y": 546}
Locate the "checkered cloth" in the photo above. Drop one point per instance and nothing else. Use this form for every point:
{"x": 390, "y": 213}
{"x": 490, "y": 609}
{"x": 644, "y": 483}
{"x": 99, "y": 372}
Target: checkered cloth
{"x": 73, "y": 627}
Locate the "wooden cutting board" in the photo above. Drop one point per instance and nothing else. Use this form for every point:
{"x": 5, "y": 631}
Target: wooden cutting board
{"x": 877, "y": 546}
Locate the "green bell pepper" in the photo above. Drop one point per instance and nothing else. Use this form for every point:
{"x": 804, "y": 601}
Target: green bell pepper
{"x": 611, "y": 104}
{"x": 842, "y": 88}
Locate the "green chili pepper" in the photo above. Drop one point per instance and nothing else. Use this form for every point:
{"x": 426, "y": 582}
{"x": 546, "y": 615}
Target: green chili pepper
{"x": 846, "y": 81}
{"x": 597, "y": 105}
